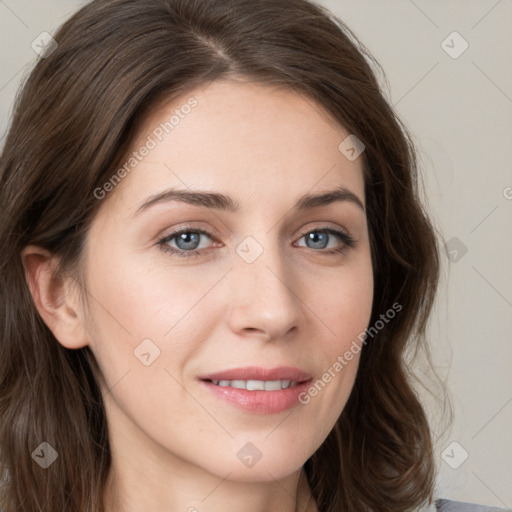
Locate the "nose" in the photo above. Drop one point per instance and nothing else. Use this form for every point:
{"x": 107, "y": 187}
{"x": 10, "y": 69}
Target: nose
{"x": 264, "y": 299}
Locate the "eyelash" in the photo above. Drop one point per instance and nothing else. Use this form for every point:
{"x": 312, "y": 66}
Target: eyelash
{"x": 348, "y": 241}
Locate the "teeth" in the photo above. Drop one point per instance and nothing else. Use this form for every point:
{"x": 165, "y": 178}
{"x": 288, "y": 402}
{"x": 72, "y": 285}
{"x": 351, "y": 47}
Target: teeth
{"x": 256, "y": 385}
{"x": 273, "y": 385}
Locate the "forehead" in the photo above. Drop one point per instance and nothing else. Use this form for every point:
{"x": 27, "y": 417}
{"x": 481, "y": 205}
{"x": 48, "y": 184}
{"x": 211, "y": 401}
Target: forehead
{"x": 257, "y": 143}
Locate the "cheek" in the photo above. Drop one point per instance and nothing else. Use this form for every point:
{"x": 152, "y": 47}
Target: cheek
{"x": 136, "y": 299}
{"x": 346, "y": 303}
{"x": 344, "y": 312}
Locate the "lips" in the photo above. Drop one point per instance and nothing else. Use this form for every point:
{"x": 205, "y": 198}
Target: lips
{"x": 259, "y": 373}
{"x": 258, "y": 390}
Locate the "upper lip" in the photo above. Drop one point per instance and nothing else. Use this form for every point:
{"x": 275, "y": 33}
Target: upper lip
{"x": 259, "y": 373}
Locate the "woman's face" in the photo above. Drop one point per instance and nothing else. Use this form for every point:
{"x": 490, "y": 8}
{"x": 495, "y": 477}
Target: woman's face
{"x": 262, "y": 299}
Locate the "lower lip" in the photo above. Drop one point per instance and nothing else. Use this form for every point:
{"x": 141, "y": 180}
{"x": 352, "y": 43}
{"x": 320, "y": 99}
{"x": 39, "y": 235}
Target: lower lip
{"x": 262, "y": 402}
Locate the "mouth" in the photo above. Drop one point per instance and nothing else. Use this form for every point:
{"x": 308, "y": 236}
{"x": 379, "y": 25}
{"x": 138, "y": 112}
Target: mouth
{"x": 256, "y": 385}
{"x": 258, "y": 390}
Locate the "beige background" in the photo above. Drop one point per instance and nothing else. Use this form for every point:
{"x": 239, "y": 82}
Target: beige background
{"x": 460, "y": 113}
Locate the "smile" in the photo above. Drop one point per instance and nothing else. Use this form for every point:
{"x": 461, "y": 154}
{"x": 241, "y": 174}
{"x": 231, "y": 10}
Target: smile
{"x": 256, "y": 385}
{"x": 258, "y": 390}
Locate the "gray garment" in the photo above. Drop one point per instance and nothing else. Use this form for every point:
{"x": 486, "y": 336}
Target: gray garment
{"x": 443, "y": 505}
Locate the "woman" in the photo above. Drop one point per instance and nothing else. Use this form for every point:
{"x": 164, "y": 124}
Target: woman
{"x": 214, "y": 261}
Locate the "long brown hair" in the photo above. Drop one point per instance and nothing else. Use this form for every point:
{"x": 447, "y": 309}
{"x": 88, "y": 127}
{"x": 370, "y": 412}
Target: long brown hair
{"x": 73, "y": 122}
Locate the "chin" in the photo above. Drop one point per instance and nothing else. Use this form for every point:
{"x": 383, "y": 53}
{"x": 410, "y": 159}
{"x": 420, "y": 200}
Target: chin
{"x": 258, "y": 459}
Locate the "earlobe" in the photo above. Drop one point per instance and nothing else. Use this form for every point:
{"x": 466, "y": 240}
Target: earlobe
{"x": 55, "y": 298}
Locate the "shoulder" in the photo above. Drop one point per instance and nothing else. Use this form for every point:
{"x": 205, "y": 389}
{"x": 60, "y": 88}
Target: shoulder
{"x": 444, "y": 505}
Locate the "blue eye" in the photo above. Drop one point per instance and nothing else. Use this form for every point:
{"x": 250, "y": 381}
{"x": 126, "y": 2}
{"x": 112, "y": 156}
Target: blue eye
{"x": 319, "y": 239}
{"x": 188, "y": 240}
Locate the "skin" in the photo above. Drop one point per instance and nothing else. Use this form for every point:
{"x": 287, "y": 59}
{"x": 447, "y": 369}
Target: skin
{"x": 174, "y": 444}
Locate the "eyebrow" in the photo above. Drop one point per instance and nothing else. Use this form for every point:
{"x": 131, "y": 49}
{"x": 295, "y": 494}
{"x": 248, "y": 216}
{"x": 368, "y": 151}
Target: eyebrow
{"x": 217, "y": 201}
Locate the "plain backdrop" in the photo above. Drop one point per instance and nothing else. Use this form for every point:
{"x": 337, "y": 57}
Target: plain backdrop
{"x": 449, "y": 71}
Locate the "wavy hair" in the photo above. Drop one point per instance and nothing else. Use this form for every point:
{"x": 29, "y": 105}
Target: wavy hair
{"x": 73, "y": 122}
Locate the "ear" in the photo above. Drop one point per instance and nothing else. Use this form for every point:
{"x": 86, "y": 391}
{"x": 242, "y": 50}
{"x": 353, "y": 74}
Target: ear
{"x": 55, "y": 298}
